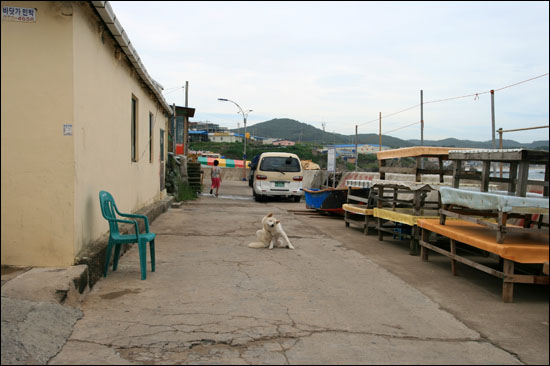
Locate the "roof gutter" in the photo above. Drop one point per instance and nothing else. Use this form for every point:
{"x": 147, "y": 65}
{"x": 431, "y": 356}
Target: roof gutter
{"x": 108, "y": 16}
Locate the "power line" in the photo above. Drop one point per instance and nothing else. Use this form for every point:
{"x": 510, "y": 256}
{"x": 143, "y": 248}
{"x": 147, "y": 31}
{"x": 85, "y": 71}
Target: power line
{"x": 521, "y": 82}
{"x": 475, "y": 95}
{"x": 172, "y": 90}
{"x": 389, "y": 115}
{"x": 400, "y": 128}
{"x": 485, "y": 92}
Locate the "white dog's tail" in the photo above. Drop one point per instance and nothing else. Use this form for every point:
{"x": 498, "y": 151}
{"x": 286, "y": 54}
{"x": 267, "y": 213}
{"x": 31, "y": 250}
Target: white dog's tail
{"x": 256, "y": 245}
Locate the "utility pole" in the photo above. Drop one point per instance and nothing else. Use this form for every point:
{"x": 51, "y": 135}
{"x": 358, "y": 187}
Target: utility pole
{"x": 493, "y": 117}
{"x": 500, "y": 147}
{"x": 422, "y": 118}
{"x": 380, "y": 132}
{"x": 186, "y": 122}
{"x": 422, "y": 128}
{"x": 174, "y": 121}
{"x": 356, "y": 151}
{"x": 493, "y": 126}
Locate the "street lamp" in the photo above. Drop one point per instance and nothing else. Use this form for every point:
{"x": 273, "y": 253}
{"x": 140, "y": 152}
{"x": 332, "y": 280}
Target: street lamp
{"x": 245, "y": 115}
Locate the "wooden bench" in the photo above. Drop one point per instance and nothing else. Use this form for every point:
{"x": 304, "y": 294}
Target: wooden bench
{"x": 519, "y": 248}
{"x": 401, "y": 203}
{"x": 398, "y": 217}
{"x": 358, "y": 206}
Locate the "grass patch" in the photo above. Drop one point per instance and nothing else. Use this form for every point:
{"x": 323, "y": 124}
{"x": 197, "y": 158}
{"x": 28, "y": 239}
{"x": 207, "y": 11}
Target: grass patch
{"x": 185, "y": 192}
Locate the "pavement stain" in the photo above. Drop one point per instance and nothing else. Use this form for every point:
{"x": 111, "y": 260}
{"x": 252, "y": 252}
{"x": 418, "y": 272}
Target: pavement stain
{"x": 114, "y": 295}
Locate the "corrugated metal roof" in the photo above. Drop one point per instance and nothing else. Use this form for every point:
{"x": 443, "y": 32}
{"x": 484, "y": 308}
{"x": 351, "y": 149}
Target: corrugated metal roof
{"x": 108, "y": 16}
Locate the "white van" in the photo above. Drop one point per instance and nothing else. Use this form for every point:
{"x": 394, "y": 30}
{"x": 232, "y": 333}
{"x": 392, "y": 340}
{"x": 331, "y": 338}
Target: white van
{"x": 276, "y": 174}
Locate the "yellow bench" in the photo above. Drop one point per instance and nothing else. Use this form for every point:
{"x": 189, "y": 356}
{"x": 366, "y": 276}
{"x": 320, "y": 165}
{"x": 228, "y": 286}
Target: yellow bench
{"x": 402, "y": 216}
{"x": 358, "y": 206}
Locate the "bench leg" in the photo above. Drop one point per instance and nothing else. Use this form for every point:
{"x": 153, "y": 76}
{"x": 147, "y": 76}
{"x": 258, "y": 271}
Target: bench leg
{"x": 368, "y": 221}
{"x": 508, "y": 287}
{"x": 380, "y": 232}
{"x": 453, "y": 262}
{"x": 413, "y": 246}
{"x": 501, "y": 233}
{"x": 442, "y": 217}
{"x": 423, "y": 250}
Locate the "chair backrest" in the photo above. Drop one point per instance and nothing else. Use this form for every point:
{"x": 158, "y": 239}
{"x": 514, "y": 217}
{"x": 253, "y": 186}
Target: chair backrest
{"x": 108, "y": 210}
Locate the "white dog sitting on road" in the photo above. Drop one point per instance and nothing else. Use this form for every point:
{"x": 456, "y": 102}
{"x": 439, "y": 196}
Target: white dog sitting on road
{"x": 272, "y": 233}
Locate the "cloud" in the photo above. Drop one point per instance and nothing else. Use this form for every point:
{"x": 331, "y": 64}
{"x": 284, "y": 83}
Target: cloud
{"x": 344, "y": 62}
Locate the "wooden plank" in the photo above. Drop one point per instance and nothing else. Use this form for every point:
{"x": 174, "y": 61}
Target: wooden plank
{"x": 538, "y": 280}
{"x": 490, "y": 225}
{"x": 546, "y": 189}
{"x": 453, "y": 261}
{"x": 418, "y": 175}
{"x": 397, "y": 170}
{"x": 357, "y": 198}
{"x": 487, "y": 155}
{"x": 466, "y": 261}
{"x": 538, "y": 183}
{"x": 423, "y": 250}
{"x": 422, "y": 151}
{"x": 468, "y": 175}
{"x": 523, "y": 174}
{"x": 513, "y": 175}
{"x": 508, "y": 287}
{"x": 485, "y": 176}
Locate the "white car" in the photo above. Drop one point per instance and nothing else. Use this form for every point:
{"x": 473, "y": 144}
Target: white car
{"x": 277, "y": 174}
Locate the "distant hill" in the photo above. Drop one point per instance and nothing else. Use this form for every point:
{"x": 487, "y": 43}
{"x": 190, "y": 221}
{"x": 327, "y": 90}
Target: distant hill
{"x": 290, "y": 129}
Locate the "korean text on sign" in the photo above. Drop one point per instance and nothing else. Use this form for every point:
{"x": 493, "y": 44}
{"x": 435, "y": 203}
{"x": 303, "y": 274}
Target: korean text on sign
{"x": 17, "y": 14}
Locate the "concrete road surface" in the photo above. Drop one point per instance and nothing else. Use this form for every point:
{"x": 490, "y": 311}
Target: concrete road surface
{"x": 339, "y": 298}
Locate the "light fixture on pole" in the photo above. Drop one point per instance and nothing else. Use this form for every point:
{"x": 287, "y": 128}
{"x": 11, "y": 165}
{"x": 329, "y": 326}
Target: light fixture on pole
{"x": 245, "y": 115}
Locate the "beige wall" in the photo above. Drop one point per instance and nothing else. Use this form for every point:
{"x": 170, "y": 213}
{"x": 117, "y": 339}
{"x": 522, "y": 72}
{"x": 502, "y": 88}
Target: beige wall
{"x": 104, "y": 87}
{"x": 37, "y": 160}
{"x": 58, "y": 71}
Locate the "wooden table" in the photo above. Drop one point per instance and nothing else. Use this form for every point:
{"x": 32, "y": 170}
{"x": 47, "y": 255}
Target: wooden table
{"x": 418, "y": 152}
{"x": 519, "y": 160}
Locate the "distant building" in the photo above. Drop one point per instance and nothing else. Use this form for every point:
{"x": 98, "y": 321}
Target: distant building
{"x": 225, "y": 137}
{"x": 370, "y": 148}
{"x": 283, "y": 143}
{"x": 206, "y": 126}
{"x": 200, "y": 136}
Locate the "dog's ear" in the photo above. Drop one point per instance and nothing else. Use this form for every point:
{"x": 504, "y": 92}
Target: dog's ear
{"x": 277, "y": 222}
{"x": 270, "y": 214}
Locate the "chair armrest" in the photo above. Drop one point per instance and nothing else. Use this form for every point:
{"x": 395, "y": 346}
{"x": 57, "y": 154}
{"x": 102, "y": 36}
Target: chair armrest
{"x": 139, "y": 217}
{"x": 129, "y": 222}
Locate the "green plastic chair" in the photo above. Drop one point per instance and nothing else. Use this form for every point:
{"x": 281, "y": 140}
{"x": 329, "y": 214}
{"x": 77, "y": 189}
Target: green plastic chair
{"x": 109, "y": 211}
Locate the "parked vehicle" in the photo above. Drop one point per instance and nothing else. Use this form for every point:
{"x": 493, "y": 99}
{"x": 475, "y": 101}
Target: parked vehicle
{"x": 276, "y": 174}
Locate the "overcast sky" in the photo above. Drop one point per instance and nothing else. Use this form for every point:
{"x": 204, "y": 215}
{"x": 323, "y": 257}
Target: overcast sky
{"x": 342, "y": 63}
